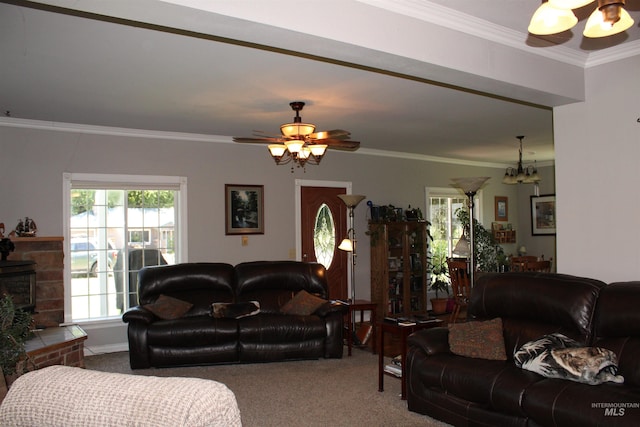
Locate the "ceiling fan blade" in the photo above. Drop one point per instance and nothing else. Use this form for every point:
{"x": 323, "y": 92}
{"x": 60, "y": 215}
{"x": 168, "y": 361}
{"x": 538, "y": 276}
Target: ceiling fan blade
{"x": 339, "y": 144}
{"x": 335, "y": 134}
{"x": 257, "y": 140}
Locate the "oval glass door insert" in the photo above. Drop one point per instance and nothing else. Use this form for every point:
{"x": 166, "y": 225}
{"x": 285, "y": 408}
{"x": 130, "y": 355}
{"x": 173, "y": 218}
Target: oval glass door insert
{"x": 324, "y": 236}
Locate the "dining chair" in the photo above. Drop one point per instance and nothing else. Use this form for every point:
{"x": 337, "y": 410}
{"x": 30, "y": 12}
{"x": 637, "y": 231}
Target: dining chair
{"x": 519, "y": 263}
{"x": 460, "y": 285}
{"x": 539, "y": 266}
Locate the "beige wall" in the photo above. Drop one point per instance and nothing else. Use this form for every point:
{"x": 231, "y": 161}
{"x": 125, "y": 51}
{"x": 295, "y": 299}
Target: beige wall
{"x": 597, "y": 151}
{"x": 33, "y": 163}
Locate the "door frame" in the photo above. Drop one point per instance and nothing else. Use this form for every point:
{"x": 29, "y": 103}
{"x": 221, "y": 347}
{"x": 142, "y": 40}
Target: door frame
{"x": 299, "y": 183}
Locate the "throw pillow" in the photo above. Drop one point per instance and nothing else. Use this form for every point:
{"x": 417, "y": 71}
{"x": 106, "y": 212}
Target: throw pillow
{"x": 234, "y": 310}
{"x": 303, "y": 304}
{"x": 168, "y": 308}
{"x": 558, "y": 356}
{"x": 480, "y": 340}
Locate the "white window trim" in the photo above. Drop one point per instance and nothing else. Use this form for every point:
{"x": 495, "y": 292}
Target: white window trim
{"x": 447, "y": 192}
{"x": 180, "y": 184}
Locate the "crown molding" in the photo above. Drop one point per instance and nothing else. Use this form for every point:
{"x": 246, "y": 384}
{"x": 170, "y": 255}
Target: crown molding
{"x": 197, "y": 137}
{"x": 468, "y": 24}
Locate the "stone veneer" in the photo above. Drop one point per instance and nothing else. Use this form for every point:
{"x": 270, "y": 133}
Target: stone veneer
{"x": 48, "y": 254}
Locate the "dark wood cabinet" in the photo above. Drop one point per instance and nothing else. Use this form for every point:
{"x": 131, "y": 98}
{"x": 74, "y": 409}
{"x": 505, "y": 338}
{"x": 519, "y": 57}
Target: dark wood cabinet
{"x": 399, "y": 267}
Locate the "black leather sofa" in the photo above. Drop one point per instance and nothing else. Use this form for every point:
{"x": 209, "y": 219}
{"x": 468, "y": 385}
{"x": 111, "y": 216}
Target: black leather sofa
{"x": 197, "y": 338}
{"x": 466, "y": 391}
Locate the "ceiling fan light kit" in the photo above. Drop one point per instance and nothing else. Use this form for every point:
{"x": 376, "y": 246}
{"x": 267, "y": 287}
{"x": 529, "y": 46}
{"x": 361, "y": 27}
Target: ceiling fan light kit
{"x": 556, "y": 16}
{"x": 521, "y": 174}
{"x": 300, "y": 145}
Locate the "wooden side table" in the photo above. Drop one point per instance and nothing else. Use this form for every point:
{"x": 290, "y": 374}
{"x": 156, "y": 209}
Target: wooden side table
{"x": 403, "y": 332}
{"x": 361, "y": 306}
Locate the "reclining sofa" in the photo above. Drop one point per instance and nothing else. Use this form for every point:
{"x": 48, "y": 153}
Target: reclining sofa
{"x": 198, "y": 338}
{"x": 463, "y": 390}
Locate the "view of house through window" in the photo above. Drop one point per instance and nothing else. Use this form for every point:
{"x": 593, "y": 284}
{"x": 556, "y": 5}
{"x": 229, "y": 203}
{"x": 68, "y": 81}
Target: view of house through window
{"x": 445, "y": 227}
{"x": 113, "y": 233}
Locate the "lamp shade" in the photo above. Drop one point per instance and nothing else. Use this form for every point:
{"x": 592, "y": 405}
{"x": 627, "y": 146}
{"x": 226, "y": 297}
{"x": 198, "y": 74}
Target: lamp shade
{"x": 346, "y": 245}
{"x": 596, "y": 25}
{"x": 295, "y": 145}
{"x": 318, "y": 149}
{"x": 462, "y": 247}
{"x": 277, "y": 150}
{"x": 294, "y": 130}
{"x": 470, "y": 185}
{"x": 351, "y": 200}
{"x": 551, "y": 20}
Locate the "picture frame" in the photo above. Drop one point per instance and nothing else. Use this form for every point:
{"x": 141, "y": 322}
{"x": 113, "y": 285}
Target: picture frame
{"x": 244, "y": 209}
{"x": 501, "y": 208}
{"x": 543, "y": 215}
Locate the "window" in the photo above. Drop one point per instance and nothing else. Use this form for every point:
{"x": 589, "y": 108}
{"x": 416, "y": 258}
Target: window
{"x": 445, "y": 227}
{"x": 115, "y": 225}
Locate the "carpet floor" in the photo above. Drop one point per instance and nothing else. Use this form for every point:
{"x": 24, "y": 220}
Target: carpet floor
{"x": 335, "y": 392}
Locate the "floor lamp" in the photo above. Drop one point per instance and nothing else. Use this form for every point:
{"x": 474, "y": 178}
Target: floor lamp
{"x": 470, "y": 187}
{"x": 349, "y": 244}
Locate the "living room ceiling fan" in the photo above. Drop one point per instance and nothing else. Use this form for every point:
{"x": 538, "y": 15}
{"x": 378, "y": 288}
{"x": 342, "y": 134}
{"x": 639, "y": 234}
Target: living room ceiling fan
{"x": 300, "y": 142}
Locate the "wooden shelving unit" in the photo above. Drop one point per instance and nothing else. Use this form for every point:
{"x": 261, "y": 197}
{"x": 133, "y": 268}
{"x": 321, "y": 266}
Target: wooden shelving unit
{"x": 399, "y": 267}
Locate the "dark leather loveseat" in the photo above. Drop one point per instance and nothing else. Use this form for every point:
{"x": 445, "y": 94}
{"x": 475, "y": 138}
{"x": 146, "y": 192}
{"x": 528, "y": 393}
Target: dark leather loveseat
{"x": 197, "y": 338}
{"x": 472, "y": 391}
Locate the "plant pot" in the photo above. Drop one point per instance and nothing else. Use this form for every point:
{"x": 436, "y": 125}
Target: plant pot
{"x": 439, "y": 305}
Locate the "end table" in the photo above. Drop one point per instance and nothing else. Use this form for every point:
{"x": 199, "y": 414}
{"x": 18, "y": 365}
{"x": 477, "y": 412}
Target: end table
{"x": 361, "y": 306}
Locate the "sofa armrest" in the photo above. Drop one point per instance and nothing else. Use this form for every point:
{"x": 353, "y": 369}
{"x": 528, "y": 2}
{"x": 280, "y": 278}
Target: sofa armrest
{"x": 431, "y": 341}
{"x": 332, "y": 307}
{"x": 138, "y": 314}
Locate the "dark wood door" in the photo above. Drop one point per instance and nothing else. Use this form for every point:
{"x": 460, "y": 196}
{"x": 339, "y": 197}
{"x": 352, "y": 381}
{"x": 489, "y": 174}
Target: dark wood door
{"x": 312, "y": 199}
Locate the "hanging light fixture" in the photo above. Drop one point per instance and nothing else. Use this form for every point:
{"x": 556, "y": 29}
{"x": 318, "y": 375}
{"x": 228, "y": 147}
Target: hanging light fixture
{"x": 520, "y": 174}
{"x": 556, "y": 16}
{"x": 297, "y": 148}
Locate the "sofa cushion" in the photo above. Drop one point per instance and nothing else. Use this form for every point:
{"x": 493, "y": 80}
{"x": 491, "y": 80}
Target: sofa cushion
{"x": 302, "y": 304}
{"x": 480, "y": 340}
{"x": 168, "y": 308}
{"x": 278, "y": 328}
{"x": 192, "y": 332}
{"x": 556, "y": 356}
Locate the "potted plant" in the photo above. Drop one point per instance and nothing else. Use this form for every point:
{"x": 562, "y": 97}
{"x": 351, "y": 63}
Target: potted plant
{"x": 439, "y": 283}
{"x": 15, "y": 329}
{"x": 489, "y": 255}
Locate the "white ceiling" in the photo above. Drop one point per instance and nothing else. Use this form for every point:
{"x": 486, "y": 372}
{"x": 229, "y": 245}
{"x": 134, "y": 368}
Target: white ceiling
{"x": 81, "y": 68}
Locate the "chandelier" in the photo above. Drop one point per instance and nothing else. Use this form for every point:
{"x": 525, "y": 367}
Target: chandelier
{"x": 297, "y": 148}
{"x": 520, "y": 174}
{"x": 556, "y": 16}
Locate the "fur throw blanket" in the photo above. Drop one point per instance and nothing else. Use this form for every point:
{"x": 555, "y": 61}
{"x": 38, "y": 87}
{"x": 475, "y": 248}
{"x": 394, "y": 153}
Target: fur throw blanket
{"x": 557, "y": 356}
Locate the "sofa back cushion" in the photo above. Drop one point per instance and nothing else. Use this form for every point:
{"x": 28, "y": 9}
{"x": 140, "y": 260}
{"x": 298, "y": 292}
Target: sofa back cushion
{"x": 617, "y": 327}
{"x": 532, "y": 305}
{"x": 200, "y": 284}
{"x": 274, "y": 283}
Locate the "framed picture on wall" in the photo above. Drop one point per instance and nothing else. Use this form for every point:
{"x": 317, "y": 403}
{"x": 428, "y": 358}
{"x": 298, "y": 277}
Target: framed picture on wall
{"x": 543, "y": 215}
{"x": 244, "y": 209}
{"x": 502, "y": 208}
